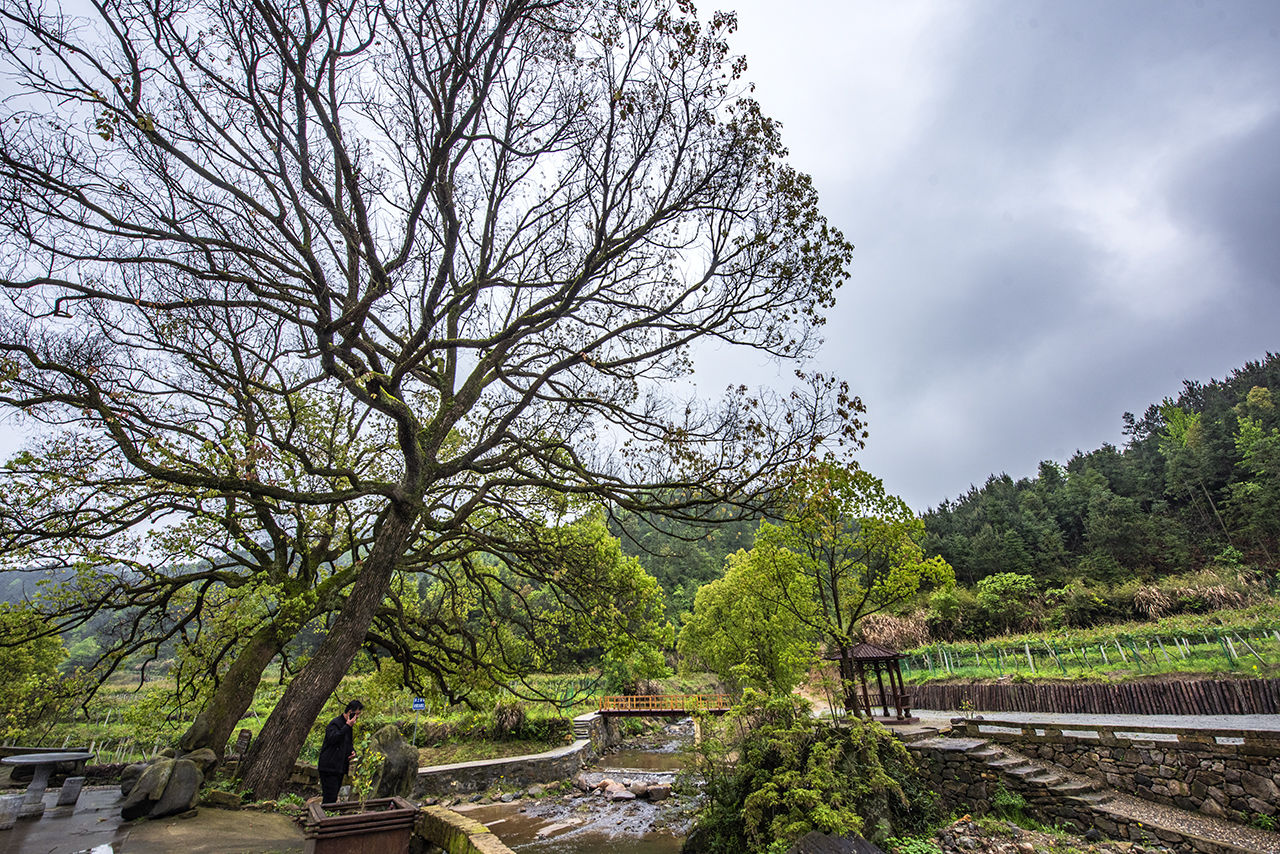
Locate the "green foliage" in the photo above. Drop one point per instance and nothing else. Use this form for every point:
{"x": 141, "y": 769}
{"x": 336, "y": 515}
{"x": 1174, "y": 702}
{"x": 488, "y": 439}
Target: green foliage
{"x": 742, "y": 628}
{"x": 1008, "y": 805}
{"x": 914, "y": 845}
{"x": 566, "y": 597}
{"x": 1198, "y": 474}
{"x": 32, "y": 691}
{"x": 794, "y": 774}
{"x": 368, "y": 770}
{"x": 850, "y": 547}
{"x": 1186, "y": 643}
{"x": 1006, "y": 599}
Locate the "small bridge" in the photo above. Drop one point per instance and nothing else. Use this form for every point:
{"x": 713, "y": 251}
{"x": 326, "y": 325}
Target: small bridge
{"x": 664, "y": 705}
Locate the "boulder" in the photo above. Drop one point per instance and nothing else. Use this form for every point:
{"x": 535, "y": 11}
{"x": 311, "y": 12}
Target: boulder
{"x": 582, "y": 783}
{"x": 815, "y": 842}
{"x": 620, "y": 794}
{"x": 399, "y": 763}
{"x": 166, "y": 787}
{"x": 129, "y": 776}
{"x": 182, "y": 792}
{"x": 206, "y": 760}
{"x": 659, "y": 791}
{"x": 223, "y": 800}
{"x": 639, "y": 789}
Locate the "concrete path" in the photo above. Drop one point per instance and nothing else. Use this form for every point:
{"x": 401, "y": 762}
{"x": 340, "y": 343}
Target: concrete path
{"x": 95, "y": 827}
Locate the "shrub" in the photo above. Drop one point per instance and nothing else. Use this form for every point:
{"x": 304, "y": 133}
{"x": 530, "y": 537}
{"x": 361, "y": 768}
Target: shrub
{"x": 795, "y": 774}
{"x": 508, "y": 720}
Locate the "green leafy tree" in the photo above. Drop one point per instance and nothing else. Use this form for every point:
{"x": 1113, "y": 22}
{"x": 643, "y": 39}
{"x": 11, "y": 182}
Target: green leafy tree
{"x": 490, "y": 233}
{"x": 490, "y": 621}
{"x": 31, "y": 688}
{"x": 847, "y": 549}
{"x": 1255, "y": 501}
{"x": 1007, "y": 600}
{"x": 745, "y": 631}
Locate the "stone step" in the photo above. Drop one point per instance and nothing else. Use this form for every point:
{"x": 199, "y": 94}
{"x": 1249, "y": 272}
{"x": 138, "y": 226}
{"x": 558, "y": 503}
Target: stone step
{"x": 1025, "y": 771}
{"x": 1074, "y": 787}
{"x": 1008, "y": 763}
{"x": 1045, "y": 778}
{"x": 1091, "y": 798}
{"x": 985, "y": 755}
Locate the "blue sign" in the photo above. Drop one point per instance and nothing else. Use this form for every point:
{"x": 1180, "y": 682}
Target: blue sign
{"x": 419, "y": 704}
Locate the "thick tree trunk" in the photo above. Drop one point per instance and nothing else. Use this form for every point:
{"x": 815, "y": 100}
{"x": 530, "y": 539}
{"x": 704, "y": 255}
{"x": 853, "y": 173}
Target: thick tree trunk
{"x": 271, "y": 758}
{"x": 213, "y": 726}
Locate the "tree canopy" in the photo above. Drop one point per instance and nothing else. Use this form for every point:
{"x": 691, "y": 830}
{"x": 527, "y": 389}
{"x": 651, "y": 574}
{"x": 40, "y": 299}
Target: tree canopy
{"x": 844, "y": 549}
{"x": 316, "y": 291}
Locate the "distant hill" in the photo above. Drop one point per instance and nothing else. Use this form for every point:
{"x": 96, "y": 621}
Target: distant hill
{"x": 1198, "y": 478}
{"x": 683, "y": 556}
{"x": 18, "y": 585}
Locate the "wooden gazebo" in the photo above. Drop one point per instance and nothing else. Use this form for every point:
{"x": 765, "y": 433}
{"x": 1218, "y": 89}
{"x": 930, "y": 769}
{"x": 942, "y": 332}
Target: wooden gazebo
{"x": 883, "y": 663}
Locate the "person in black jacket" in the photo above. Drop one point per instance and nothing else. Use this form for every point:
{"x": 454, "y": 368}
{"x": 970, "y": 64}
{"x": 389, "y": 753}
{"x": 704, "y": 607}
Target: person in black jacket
{"x": 337, "y": 751}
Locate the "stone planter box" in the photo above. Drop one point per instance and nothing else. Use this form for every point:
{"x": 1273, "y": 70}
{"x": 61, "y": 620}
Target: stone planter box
{"x": 383, "y": 827}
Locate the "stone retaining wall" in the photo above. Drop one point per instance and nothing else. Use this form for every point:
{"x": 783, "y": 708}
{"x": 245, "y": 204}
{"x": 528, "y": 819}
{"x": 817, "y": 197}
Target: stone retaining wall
{"x": 958, "y": 771}
{"x": 440, "y": 829}
{"x": 1225, "y": 773}
{"x": 595, "y": 734}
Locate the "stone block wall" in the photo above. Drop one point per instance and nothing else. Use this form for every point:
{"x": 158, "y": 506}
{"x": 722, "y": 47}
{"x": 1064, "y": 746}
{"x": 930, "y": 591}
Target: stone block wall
{"x": 966, "y": 775}
{"x": 595, "y": 734}
{"x": 1225, "y": 773}
{"x": 440, "y": 829}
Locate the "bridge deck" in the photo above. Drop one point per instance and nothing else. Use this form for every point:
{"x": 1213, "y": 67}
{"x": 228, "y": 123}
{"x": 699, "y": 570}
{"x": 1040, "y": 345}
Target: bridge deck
{"x": 664, "y": 705}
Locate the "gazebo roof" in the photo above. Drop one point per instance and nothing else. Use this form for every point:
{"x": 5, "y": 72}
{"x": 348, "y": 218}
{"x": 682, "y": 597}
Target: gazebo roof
{"x": 867, "y": 652}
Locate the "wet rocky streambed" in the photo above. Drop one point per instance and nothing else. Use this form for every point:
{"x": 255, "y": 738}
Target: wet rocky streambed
{"x": 622, "y": 805}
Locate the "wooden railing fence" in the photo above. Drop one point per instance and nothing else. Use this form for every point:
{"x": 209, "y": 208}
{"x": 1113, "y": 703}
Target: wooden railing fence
{"x": 1192, "y": 697}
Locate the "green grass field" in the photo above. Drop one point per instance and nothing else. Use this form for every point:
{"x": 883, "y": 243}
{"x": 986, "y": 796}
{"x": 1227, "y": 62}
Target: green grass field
{"x": 1243, "y": 643}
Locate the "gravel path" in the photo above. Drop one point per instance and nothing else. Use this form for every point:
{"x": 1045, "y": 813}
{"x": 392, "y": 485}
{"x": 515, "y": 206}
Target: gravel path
{"x": 1218, "y": 830}
{"x": 1173, "y": 818}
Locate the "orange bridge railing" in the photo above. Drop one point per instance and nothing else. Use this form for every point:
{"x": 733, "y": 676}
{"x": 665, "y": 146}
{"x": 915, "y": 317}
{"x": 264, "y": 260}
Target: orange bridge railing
{"x": 665, "y": 703}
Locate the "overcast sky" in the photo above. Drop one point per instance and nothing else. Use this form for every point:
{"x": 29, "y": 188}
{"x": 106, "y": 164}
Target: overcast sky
{"x": 1061, "y": 210}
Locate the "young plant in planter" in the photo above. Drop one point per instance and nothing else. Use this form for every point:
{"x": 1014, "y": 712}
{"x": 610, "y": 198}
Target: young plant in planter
{"x": 363, "y": 825}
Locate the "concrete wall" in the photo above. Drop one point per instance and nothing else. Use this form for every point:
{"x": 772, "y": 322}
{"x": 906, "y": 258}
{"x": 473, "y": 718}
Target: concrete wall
{"x": 1225, "y": 773}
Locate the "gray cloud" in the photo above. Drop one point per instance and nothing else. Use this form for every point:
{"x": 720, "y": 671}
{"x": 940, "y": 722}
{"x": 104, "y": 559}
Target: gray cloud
{"x": 1061, "y": 211}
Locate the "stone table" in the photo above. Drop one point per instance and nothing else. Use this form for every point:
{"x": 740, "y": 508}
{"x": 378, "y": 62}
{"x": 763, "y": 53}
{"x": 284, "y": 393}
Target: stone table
{"x": 41, "y": 764}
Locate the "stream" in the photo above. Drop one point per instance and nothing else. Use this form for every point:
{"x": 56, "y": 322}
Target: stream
{"x": 588, "y": 823}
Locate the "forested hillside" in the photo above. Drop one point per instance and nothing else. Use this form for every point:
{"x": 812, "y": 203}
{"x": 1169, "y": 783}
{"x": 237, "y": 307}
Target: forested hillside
{"x": 1198, "y": 478}
{"x": 683, "y": 555}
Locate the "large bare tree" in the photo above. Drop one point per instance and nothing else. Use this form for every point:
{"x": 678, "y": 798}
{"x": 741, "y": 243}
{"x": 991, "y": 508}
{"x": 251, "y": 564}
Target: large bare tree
{"x": 486, "y": 233}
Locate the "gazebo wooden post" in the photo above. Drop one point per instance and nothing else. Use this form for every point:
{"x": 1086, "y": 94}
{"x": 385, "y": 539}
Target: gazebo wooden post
{"x": 895, "y": 673}
{"x": 884, "y": 698}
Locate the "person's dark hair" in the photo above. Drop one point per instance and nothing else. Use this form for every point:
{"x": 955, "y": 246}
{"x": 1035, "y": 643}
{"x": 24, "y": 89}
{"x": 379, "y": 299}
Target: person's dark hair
{"x": 354, "y": 706}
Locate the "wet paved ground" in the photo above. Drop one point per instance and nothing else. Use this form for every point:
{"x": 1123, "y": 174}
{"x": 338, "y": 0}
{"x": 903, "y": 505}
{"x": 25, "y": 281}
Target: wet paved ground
{"x": 95, "y": 827}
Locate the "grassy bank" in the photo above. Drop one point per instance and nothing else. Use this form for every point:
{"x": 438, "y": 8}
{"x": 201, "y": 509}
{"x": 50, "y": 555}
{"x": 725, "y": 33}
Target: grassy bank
{"x": 1237, "y": 643}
